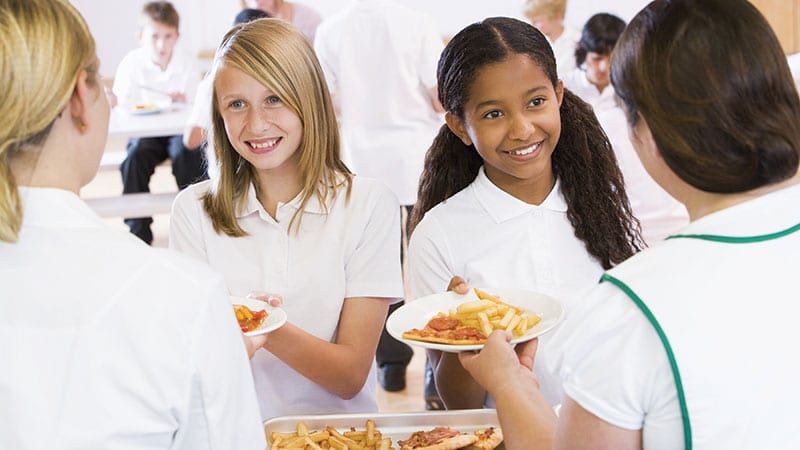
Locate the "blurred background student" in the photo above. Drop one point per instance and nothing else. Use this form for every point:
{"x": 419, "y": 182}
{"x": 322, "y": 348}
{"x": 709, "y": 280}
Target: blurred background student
{"x": 379, "y": 59}
{"x": 548, "y": 17}
{"x": 590, "y": 79}
{"x": 107, "y": 343}
{"x": 302, "y": 16}
{"x": 156, "y": 73}
{"x": 658, "y": 212}
{"x": 714, "y": 120}
{"x": 286, "y": 216}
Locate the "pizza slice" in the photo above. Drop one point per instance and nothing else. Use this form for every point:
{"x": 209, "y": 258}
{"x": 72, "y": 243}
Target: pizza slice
{"x": 488, "y": 439}
{"x": 439, "y": 438}
{"x": 443, "y": 329}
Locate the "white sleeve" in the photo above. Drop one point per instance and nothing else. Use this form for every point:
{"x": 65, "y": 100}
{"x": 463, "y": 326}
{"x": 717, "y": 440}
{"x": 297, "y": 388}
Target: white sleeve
{"x": 223, "y": 411}
{"x": 430, "y": 52}
{"x": 201, "y": 108}
{"x": 373, "y": 269}
{"x": 185, "y": 225}
{"x": 322, "y": 49}
{"x": 429, "y": 262}
{"x": 610, "y": 359}
{"x": 125, "y": 81}
{"x": 192, "y": 78}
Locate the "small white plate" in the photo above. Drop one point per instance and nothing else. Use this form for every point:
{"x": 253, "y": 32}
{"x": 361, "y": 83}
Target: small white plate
{"x": 417, "y": 313}
{"x": 275, "y": 319}
{"x": 141, "y": 109}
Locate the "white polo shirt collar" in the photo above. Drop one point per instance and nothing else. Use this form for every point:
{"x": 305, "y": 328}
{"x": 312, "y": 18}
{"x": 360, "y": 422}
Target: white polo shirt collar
{"x": 254, "y": 206}
{"x": 502, "y": 206}
{"x": 56, "y": 208}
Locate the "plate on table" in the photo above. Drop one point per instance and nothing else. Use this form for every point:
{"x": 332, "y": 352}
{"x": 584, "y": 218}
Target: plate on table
{"x": 275, "y": 319}
{"x": 144, "y": 108}
{"x": 417, "y": 313}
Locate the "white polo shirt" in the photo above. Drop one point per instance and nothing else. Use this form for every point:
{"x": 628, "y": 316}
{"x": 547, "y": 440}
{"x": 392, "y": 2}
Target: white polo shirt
{"x": 493, "y": 239}
{"x": 137, "y": 69}
{"x": 728, "y": 310}
{"x": 577, "y": 82}
{"x": 564, "y": 49}
{"x": 353, "y": 251}
{"x": 380, "y": 60}
{"x": 659, "y": 214}
{"x": 108, "y": 343}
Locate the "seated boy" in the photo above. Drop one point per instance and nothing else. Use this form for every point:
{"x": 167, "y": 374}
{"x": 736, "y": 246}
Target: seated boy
{"x": 154, "y": 73}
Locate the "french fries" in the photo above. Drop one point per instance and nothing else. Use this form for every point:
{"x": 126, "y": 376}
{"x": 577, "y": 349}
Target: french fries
{"x": 489, "y": 313}
{"x": 330, "y": 438}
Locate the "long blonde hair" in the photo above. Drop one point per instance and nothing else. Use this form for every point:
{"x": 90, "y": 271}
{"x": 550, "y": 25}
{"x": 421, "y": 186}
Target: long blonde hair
{"x": 277, "y": 55}
{"x": 44, "y": 46}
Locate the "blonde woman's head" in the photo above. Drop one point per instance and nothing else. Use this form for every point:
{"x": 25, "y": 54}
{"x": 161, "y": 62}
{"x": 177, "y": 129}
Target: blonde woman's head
{"x": 277, "y": 55}
{"x": 44, "y": 45}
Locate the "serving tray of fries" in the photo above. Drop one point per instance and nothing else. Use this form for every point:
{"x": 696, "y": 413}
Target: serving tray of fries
{"x": 395, "y": 426}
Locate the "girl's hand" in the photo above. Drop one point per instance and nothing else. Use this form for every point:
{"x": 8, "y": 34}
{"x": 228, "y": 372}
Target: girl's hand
{"x": 274, "y": 300}
{"x": 253, "y": 343}
{"x": 458, "y": 285}
{"x": 177, "y": 97}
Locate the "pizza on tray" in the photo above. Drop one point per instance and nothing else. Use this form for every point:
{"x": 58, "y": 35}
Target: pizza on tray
{"x": 445, "y": 438}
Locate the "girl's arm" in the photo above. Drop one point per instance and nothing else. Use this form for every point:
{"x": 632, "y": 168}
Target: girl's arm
{"x": 455, "y": 385}
{"x": 341, "y": 367}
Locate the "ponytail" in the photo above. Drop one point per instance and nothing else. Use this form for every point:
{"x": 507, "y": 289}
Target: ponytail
{"x": 10, "y": 203}
{"x": 450, "y": 166}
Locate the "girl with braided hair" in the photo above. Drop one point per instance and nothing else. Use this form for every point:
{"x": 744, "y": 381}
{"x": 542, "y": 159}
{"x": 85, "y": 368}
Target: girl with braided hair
{"x": 520, "y": 188}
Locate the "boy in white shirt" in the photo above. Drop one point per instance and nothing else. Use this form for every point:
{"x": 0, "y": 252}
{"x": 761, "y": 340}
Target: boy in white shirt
{"x": 155, "y": 73}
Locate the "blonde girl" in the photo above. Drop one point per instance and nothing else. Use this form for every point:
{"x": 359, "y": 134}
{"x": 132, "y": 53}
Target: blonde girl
{"x": 286, "y": 216}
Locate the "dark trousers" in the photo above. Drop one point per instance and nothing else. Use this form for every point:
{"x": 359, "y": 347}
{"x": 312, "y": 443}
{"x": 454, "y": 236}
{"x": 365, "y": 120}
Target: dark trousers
{"x": 144, "y": 155}
{"x": 390, "y": 350}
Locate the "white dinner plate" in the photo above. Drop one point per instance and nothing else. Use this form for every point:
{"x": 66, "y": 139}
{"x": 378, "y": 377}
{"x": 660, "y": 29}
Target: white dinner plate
{"x": 417, "y": 313}
{"x": 275, "y": 319}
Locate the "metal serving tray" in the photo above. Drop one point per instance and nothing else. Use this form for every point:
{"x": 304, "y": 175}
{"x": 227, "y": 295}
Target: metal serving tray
{"x": 397, "y": 426}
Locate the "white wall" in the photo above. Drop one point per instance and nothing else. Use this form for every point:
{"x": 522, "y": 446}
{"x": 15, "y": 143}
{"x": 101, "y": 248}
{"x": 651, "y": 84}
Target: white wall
{"x": 204, "y": 22}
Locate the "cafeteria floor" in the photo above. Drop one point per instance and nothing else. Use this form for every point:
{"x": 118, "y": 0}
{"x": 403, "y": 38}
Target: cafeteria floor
{"x": 109, "y": 183}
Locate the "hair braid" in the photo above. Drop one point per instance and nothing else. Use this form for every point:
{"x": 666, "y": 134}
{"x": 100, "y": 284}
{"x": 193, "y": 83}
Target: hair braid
{"x": 593, "y": 186}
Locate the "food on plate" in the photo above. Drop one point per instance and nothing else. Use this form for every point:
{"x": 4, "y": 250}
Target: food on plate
{"x": 370, "y": 438}
{"x": 471, "y": 322}
{"x": 249, "y": 320}
{"x": 144, "y": 106}
{"x": 446, "y": 438}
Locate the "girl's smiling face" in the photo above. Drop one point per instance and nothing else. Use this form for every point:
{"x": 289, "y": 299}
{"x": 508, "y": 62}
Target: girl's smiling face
{"x": 260, "y": 126}
{"x": 512, "y": 118}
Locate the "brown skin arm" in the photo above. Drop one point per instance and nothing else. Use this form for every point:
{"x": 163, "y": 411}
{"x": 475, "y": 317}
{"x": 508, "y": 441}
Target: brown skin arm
{"x": 453, "y": 383}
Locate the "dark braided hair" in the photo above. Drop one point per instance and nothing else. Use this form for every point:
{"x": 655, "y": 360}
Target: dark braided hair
{"x": 583, "y": 159}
